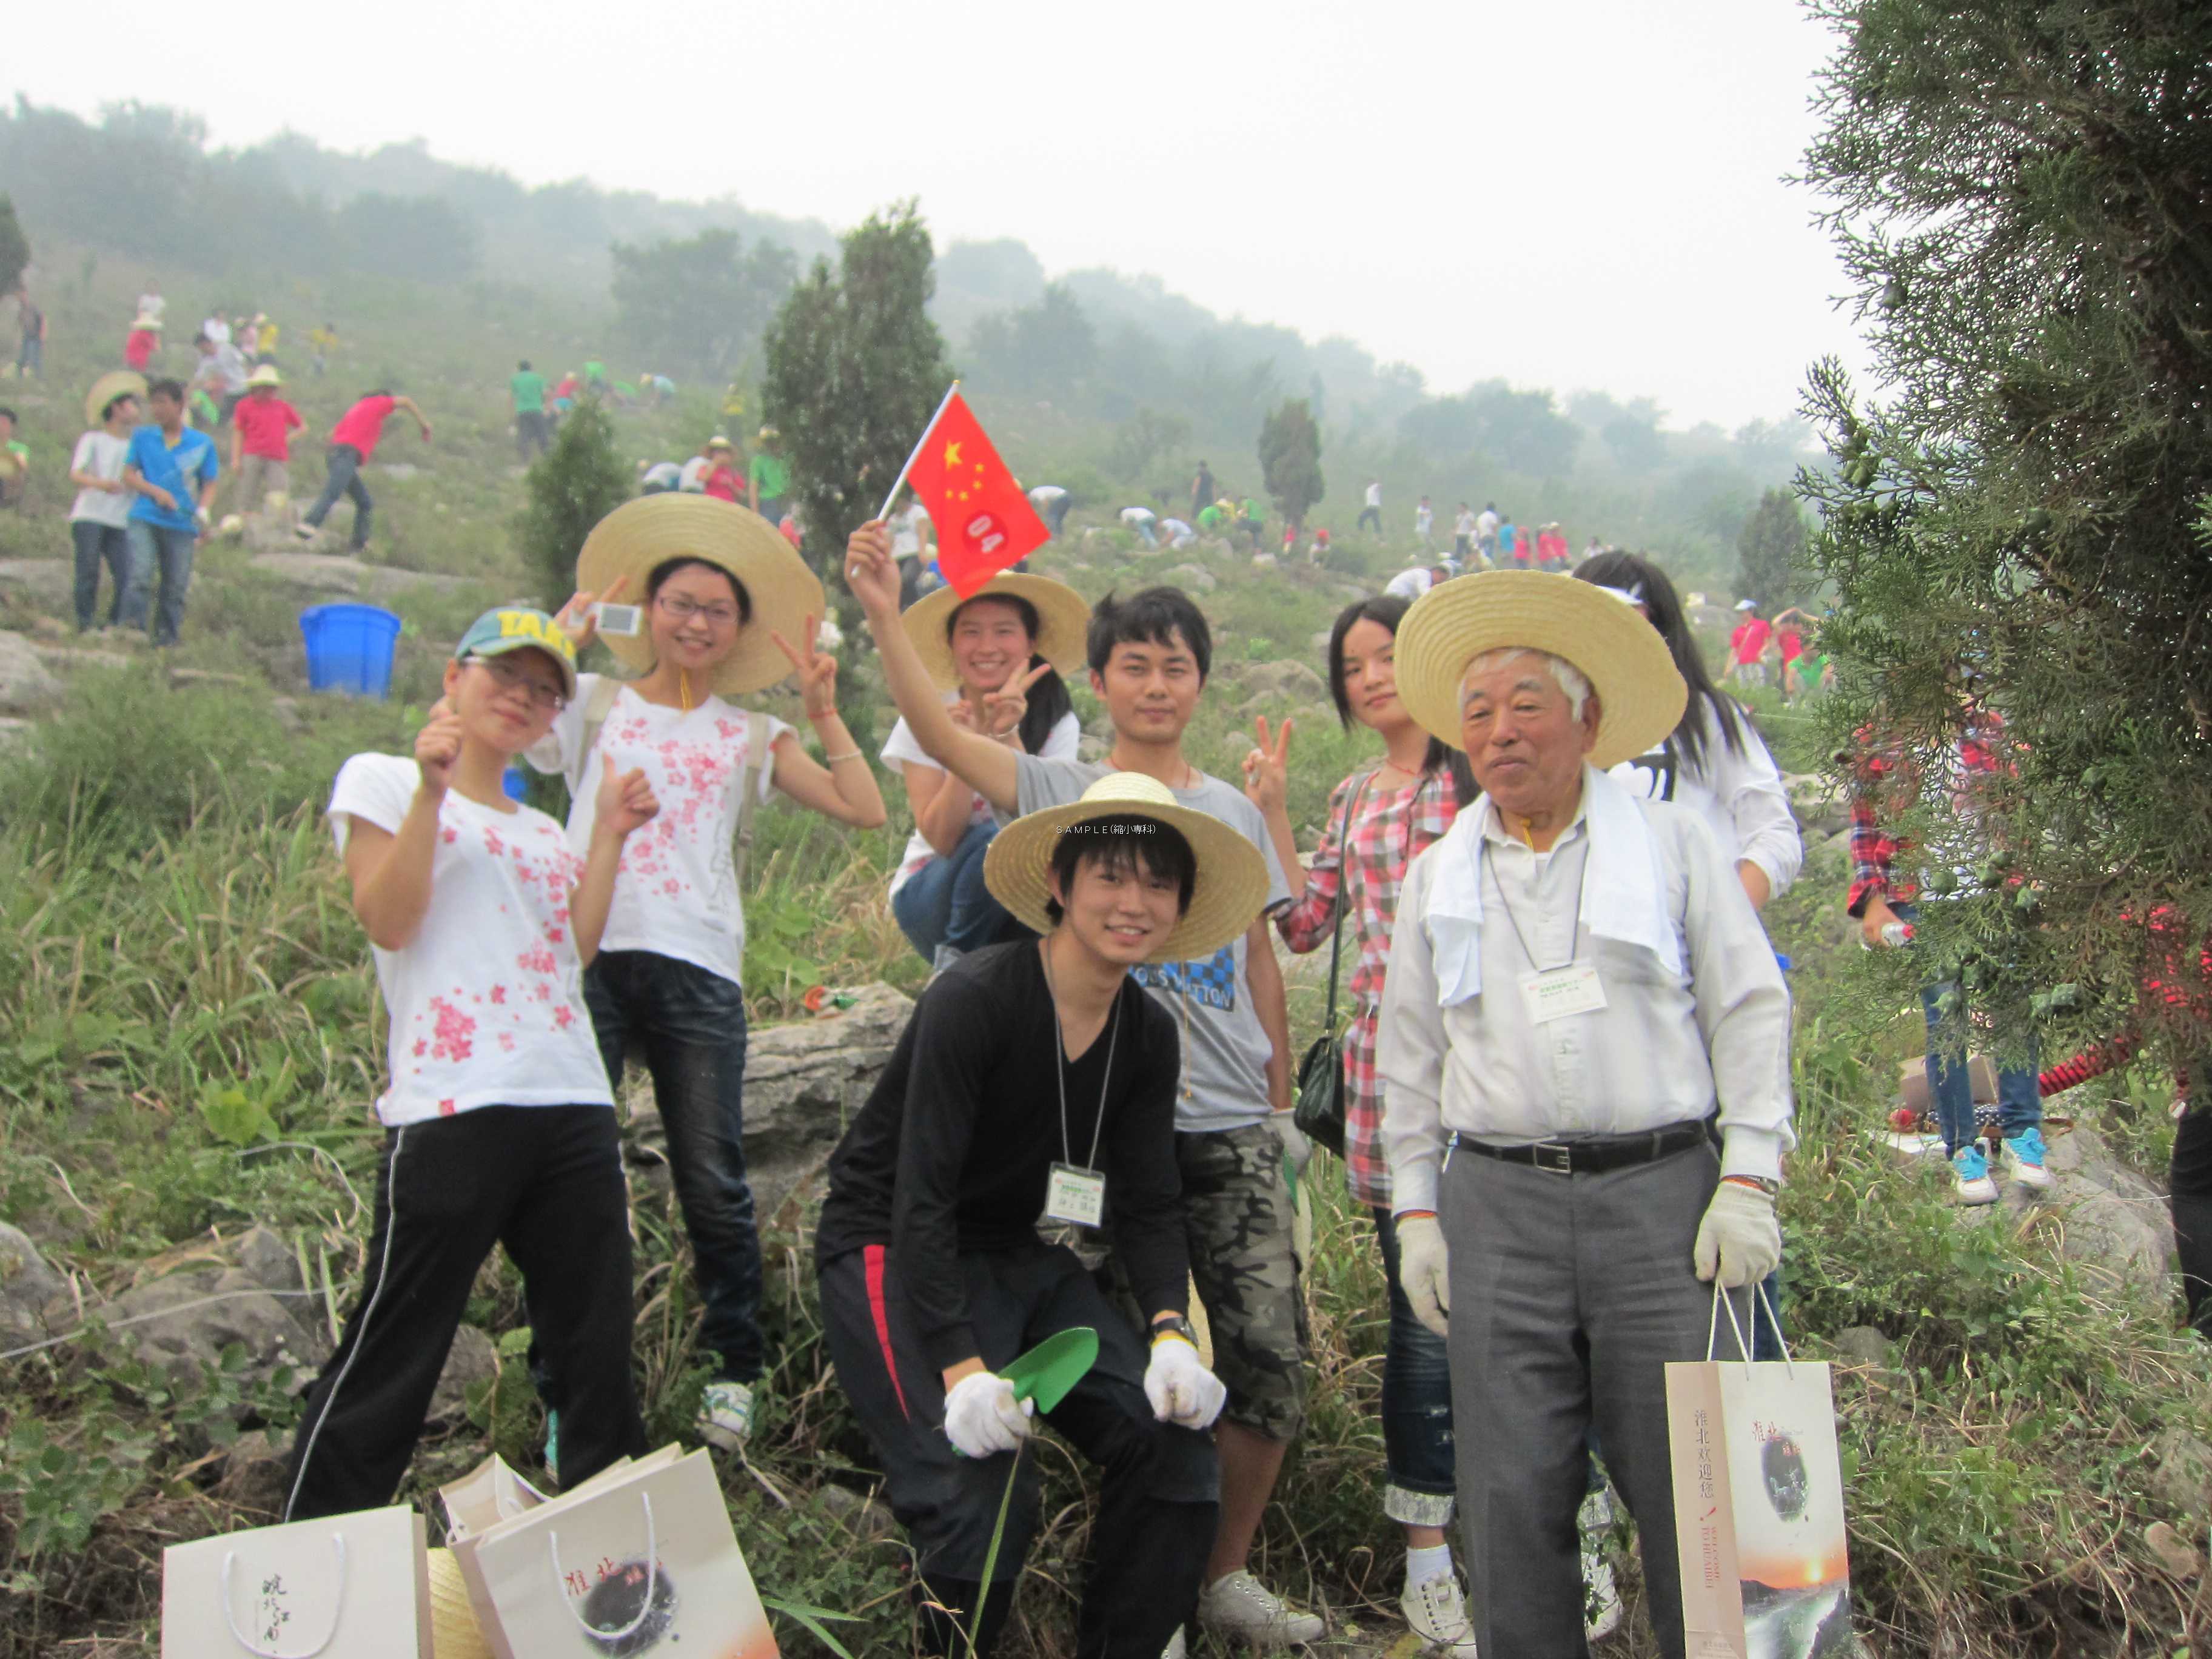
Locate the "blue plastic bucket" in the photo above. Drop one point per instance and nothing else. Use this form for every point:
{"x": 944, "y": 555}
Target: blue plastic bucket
{"x": 350, "y": 648}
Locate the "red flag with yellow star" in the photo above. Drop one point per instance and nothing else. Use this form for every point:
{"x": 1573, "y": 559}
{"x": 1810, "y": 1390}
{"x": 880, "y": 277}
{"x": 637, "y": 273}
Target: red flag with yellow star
{"x": 984, "y": 522}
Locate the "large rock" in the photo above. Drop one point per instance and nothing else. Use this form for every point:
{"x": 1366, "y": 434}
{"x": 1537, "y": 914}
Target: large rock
{"x": 256, "y": 1473}
{"x": 2112, "y": 1222}
{"x": 180, "y": 1329}
{"x": 2181, "y": 1473}
{"x": 1286, "y": 680}
{"x": 48, "y": 582}
{"x": 471, "y": 1360}
{"x": 1191, "y": 577}
{"x": 341, "y": 573}
{"x": 26, "y": 684}
{"x": 804, "y": 1082}
{"x": 28, "y": 1288}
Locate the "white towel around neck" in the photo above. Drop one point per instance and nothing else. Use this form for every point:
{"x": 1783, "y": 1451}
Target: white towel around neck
{"x": 1623, "y": 889}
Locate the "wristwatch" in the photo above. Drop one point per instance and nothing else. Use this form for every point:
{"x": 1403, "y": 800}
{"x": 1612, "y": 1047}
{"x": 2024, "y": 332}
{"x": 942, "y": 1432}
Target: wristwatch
{"x": 1175, "y": 1325}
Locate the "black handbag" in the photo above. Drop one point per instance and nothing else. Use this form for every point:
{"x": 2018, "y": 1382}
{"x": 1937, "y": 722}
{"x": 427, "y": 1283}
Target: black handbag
{"x": 1319, "y": 1112}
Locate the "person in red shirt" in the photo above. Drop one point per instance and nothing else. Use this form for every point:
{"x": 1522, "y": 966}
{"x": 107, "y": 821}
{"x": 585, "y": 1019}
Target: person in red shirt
{"x": 142, "y": 342}
{"x": 1748, "y": 645}
{"x": 261, "y": 438}
{"x": 353, "y": 441}
{"x": 1789, "y": 640}
{"x": 723, "y": 478}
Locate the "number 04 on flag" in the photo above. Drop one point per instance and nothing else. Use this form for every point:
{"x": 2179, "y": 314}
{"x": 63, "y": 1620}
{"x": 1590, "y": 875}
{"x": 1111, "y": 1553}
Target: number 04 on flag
{"x": 984, "y": 522}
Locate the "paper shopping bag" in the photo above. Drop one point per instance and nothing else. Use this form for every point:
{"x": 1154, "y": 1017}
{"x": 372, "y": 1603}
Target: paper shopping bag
{"x": 1758, "y": 1510}
{"x": 488, "y": 1494}
{"x": 644, "y": 1564}
{"x": 347, "y": 1587}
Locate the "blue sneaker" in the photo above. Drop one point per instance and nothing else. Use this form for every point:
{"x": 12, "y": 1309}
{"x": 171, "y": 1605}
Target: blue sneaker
{"x": 2026, "y": 1151}
{"x": 1972, "y": 1170}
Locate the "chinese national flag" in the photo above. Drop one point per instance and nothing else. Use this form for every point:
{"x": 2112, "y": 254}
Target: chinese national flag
{"x": 984, "y": 522}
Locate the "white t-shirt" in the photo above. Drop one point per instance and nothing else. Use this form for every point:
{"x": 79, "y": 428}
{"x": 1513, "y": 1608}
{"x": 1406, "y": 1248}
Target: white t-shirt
{"x": 1486, "y": 525}
{"x": 1375, "y": 495}
{"x": 1423, "y": 518}
{"x": 1740, "y": 796}
{"x": 487, "y": 1000}
{"x": 1463, "y": 525}
{"x": 1046, "y": 494}
{"x": 1182, "y": 534}
{"x": 905, "y": 541}
{"x": 694, "y": 475}
{"x": 676, "y": 892}
{"x": 100, "y": 453}
{"x": 1410, "y": 584}
{"x": 152, "y": 304}
{"x": 900, "y": 750}
{"x": 1133, "y": 516}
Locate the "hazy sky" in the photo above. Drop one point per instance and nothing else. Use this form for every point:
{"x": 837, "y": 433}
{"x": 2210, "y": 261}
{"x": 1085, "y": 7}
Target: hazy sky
{"x": 1582, "y": 193}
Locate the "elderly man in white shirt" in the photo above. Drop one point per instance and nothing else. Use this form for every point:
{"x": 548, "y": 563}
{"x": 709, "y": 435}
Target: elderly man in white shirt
{"x": 1584, "y": 1052}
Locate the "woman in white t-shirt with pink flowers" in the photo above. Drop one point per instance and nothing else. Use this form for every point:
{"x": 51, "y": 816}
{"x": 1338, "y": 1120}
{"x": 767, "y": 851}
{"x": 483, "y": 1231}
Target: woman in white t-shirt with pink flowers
{"x": 997, "y": 657}
{"x": 719, "y": 598}
{"x": 499, "y": 1126}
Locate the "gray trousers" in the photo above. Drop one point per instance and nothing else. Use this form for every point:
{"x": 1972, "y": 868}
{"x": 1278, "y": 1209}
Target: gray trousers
{"x": 1569, "y": 1296}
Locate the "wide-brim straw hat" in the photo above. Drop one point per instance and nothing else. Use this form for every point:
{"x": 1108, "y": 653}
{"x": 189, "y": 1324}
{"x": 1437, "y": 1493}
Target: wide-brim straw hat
{"x": 1231, "y": 886}
{"x": 108, "y": 388}
{"x": 266, "y": 375}
{"x": 1640, "y": 693}
{"x": 454, "y": 1633}
{"x": 1063, "y": 622}
{"x": 147, "y": 320}
{"x": 639, "y": 535}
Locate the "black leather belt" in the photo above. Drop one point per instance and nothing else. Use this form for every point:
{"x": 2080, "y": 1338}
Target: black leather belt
{"x": 1594, "y": 1154}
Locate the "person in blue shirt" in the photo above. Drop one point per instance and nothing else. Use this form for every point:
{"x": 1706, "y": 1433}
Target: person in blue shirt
{"x": 172, "y": 470}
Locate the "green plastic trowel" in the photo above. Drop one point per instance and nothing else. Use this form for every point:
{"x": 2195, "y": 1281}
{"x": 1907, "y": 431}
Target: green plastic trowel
{"x": 1047, "y": 1371}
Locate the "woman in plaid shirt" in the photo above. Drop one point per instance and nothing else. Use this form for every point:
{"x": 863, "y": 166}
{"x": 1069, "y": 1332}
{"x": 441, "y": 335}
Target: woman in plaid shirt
{"x": 1397, "y": 809}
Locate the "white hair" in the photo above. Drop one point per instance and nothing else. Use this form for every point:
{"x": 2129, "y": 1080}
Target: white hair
{"x": 1570, "y": 677}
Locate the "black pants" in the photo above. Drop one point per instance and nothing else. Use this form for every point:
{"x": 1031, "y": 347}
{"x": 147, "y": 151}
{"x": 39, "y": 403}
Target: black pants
{"x": 545, "y": 1182}
{"x": 688, "y": 1026}
{"x": 1160, "y": 1486}
{"x": 2190, "y": 1181}
{"x": 1371, "y": 515}
{"x": 530, "y": 433}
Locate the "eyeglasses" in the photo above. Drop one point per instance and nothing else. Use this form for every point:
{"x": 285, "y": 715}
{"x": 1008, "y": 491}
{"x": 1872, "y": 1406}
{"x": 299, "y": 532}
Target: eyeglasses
{"x": 682, "y": 610}
{"x": 513, "y": 676}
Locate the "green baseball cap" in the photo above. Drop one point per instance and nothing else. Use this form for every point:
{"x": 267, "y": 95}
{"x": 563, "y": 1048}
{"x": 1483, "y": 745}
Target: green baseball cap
{"x": 515, "y": 627}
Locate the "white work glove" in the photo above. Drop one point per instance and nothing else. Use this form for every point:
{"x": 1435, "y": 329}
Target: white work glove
{"x": 1739, "y": 1239}
{"x": 1183, "y": 1391}
{"x": 982, "y": 1418}
{"x": 1298, "y": 1151}
{"x": 1424, "y": 1270}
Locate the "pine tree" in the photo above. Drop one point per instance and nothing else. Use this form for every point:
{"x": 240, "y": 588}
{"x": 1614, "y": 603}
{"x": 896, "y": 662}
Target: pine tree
{"x": 1771, "y": 561}
{"x": 1290, "y": 461}
{"x": 15, "y": 248}
{"x": 577, "y": 482}
{"x": 2024, "y": 520}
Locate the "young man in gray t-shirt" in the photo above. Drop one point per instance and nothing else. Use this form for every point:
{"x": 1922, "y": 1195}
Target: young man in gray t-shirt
{"x": 1149, "y": 656}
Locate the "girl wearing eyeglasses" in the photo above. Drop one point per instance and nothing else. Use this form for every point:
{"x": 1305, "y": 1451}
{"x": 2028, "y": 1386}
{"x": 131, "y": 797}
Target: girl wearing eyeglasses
{"x": 720, "y": 598}
{"x": 499, "y": 1126}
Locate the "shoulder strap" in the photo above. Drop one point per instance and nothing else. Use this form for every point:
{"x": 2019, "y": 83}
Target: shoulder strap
{"x": 1343, "y": 897}
{"x": 748, "y": 797}
{"x": 597, "y": 707}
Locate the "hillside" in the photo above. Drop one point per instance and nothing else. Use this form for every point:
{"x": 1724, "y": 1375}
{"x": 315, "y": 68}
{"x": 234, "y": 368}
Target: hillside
{"x": 188, "y": 1038}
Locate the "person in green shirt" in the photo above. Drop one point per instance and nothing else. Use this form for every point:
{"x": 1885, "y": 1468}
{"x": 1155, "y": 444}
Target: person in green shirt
{"x": 15, "y": 461}
{"x": 595, "y": 377}
{"x": 528, "y": 387}
{"x": 1210, "y": 516}
{"x": 768, "y": 481}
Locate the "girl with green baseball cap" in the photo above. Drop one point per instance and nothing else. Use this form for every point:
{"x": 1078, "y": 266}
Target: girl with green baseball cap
{"x": 499, "y": 1122}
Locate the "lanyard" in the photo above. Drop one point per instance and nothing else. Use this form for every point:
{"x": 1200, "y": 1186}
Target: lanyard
{"x": 1060, "y": 1067}
{"x": 1575, "y": 944}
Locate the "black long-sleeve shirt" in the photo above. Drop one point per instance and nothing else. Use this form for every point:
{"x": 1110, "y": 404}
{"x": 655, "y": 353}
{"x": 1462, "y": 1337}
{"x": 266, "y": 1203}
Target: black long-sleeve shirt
{"x": 954, "y": 1148}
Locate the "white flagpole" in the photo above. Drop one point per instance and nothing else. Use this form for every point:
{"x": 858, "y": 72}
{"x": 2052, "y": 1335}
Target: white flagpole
{"x": 886, "y": 511}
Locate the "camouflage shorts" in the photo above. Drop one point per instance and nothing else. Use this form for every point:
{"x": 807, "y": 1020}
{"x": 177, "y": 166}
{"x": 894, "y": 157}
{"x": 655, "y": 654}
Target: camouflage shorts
{"x": 1238, "y": 1220}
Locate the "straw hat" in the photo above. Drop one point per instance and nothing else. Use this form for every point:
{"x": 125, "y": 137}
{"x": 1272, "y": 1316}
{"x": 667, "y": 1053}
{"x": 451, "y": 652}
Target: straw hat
{"x": 639, "y": 535}
{"x": 109, "y": 386}
{"x": 1062, "y": 620}
{"x": 1232, "y": 876}
{"x": 718, "y": 441}
{"x": 1640, "y": 692}
{"x": 453, "y": 1630}
{"x": 266, "y": 375}
{"x": 147, "y": 320}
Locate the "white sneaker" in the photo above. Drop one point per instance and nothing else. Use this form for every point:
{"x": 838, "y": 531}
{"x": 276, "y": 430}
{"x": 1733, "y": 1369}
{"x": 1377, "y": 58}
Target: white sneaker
{"x": 1435, "y": 1610}
{"x": 1239, "y": 1607}
{"x": 726, "y": 1415}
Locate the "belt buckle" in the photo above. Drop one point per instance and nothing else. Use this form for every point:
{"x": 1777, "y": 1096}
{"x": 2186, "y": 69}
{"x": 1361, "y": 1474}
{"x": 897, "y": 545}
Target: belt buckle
{"x": 1553, "y": 1157}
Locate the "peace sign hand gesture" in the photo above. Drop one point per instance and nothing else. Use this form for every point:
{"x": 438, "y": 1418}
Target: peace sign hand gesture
{"x": 1267, "y": 769}
{"x": 816, "y": 672}
{"x": 1003, "y": 709}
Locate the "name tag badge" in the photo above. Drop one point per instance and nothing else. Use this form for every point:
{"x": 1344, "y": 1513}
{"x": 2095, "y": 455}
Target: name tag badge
{"x": 1074, "y": 1195}
{"x": 1557, "y": 992}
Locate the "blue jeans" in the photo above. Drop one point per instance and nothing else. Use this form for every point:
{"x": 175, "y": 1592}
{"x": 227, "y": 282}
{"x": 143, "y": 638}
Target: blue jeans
{"x": 344, "y": 480}
{"x": 158, "y": 552}
{"x": 945, "y": 903}
{"x": 30, "y": 361}
{"x": 689, "y": 1027}
{"x": 2019, "y": 1091}
{"x": 1417, "y": 1404}
{"x": 99, "y": 543}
